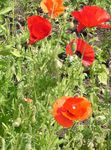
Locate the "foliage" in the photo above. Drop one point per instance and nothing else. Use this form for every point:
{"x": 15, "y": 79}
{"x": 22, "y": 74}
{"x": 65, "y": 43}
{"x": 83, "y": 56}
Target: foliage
{"x": 33, "y": 72}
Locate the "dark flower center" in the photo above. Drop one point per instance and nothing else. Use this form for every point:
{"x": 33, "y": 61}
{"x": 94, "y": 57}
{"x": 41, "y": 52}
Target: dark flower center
{"x": 62, "y": 56}
{"x": 39, "y": 10}
{"x": 78, "y": 54}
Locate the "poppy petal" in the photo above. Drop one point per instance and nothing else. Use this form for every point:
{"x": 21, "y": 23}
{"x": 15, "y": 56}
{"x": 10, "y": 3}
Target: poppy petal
{"x": 53, "y": 8}
{"x": 57, "y": 109}
{"x": 76, "y": 14}
{"x": 79, "y": 107}
{"x": 63, "y": 121}
{"x": 69, "y": 50}
{"x": 85, "y": 114}
{"x": 84, "y": 49}
{"x": 39, "y": 28}
{"x": 91, "y": 16}
{"x": 80, "y": 27}
{"x": 101, "y": 15}
{"x": 68, "y": 115}
{"x": 58, "y": 104}
{"x": 44, "y": 5}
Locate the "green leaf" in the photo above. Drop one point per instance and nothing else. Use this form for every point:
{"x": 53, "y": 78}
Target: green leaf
{"x": 103, "y": 78}
{"x": 29, "y": 58}
{"x": 5, "y": 50}
{"x": 6, "y": 10}
{"x": 16, "y": 53}
{"x": 105, "y": 69}
{"x": 5, "y": 53}
{"x": 3, "y": 63}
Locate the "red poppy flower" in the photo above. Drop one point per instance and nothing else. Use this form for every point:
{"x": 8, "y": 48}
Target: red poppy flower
{"x": 82, "y": 48}
{"x": 53, "y": 7}
{"x": 66, "y": 110}
{"x": 39, "y": 28}
{"x": 78, "y": 108}
{"x": 91, "y": 16}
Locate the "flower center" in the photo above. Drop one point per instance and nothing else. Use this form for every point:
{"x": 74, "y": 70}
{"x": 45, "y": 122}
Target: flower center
{"x": 78, "y": 54}
{"x": 74, "y": 107}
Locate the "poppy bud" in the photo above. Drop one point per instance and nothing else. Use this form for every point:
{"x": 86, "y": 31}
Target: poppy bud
{"x": 17, "y": 122}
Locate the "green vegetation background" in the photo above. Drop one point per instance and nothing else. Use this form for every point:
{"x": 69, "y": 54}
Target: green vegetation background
{"x": 34, "y": 72}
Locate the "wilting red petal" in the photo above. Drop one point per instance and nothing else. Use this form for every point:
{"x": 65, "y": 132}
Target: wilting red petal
{"x": 57, "y": 109}
{"x": 79, "y": 107}
{"x": 39, "y": 28}
{"x": 84, "y": 49}
{"x": 53, "y": 7}
{"x": 91, "y": 16}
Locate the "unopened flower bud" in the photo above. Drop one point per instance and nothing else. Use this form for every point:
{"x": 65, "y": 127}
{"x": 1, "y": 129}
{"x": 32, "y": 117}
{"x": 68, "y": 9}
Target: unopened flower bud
{"x": 17, "y": 122}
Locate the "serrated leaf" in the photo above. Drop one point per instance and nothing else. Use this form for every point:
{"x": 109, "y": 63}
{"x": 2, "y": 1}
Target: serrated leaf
{"x": 29, "y": 58}
{"x": 6, "y": 10}
{"x": 5, "y": 50}
{"x": 16, "y": 53}
{"x": 3, "y": 63}
{"x": 4, "y": 53}
{"x": 103, "y": 78}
